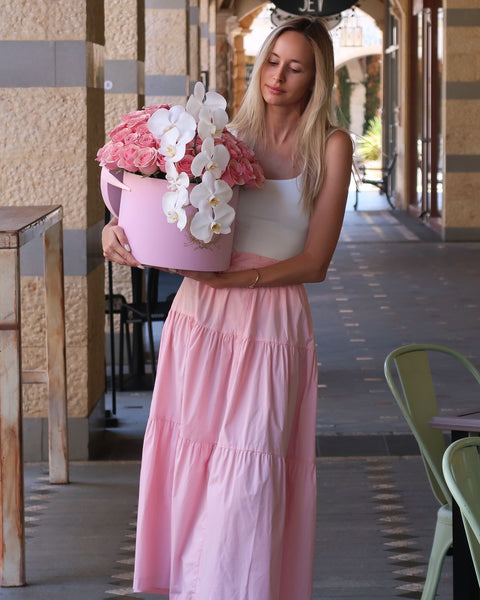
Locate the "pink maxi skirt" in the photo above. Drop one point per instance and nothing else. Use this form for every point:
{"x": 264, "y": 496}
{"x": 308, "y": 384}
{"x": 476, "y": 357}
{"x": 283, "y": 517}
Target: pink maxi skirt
{"x": 227, "y": 486}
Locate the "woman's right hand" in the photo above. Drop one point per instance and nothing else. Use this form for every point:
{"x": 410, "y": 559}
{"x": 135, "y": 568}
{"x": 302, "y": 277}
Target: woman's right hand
{"x": 115, "y": 245}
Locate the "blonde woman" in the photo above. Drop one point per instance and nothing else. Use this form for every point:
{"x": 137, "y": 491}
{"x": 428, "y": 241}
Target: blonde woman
{"x": 227, "y": 490}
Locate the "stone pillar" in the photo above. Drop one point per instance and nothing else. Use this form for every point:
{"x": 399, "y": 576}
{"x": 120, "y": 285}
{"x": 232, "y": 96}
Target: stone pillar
{"x": 52, "y": 105}
{"x": 461, "y": 126}
{"x": 166, "y": 51}
{"x": 124, "y": 85}
{"x": 194, "y": 43}
{"x": 212, "y": 44}
{"x": 124, "y": 58}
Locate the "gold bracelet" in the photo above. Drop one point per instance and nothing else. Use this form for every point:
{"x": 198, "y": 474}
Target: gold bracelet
{"x": 252, "y": 285}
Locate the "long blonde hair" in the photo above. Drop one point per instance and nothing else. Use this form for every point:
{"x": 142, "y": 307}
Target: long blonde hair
{"x": 317, "y": 120}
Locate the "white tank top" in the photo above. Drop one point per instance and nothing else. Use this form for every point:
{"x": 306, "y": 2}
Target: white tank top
{"x": 270, "y": 220}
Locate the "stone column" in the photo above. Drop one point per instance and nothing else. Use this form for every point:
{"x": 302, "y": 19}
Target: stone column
{"x": 124, "y": 58}
{"x": 124, "y": 84}
{"x": 194, "y": 43}
{"x": 166, "y": 51}
{"x": 52, "y": 105}
{"x": 212, "y": 41}
{"x": 461, "y": 126}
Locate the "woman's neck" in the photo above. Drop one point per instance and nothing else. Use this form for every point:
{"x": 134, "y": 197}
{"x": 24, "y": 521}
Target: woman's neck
{"x": 276, "y": 152}
{"x": 280, "y": 126}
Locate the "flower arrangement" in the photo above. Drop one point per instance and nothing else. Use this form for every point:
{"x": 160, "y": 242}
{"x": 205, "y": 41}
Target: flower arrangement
{"x": 186, "y": 145}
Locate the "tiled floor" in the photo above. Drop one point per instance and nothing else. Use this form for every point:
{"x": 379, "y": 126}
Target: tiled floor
{"x": 374, "y": 529}
{"x": 392, "y": 282}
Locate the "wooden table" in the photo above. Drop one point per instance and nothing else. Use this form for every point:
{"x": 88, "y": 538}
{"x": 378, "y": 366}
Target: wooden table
{"x": 19, "y": 225}
{"x": 465, "y": 584}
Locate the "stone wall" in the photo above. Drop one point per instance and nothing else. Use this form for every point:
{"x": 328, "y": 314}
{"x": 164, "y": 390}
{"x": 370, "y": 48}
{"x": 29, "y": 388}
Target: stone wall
{"x": 52, "y": 105}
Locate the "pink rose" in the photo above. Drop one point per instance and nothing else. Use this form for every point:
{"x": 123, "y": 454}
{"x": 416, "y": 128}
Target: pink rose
{"x": 258, "y": 179}
{"x": 117, "y": 131}
{"x": 185, "y": 165}
{"x": 231, "y": 145}
{"x": 146, "y": 140}
{"x": 109, "y": 155}
{"x": 246, "y": 151}
{"x": 119, "y": 134}
{"x": 134, "y": 118}
{"x": 151, "y": 109}
{"x": 233, "y": 174}
{"x": 142, "y": 128}
{"x": 130, "y": 138}
{"x": 127, "y": 157}
{"x": 161, "y": 163}
{"x": 145, "y": 161}
{"x": 247, "y": 169}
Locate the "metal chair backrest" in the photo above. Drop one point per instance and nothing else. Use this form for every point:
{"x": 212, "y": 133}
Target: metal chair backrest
{"x": 418, "y": 402}
{"x": 461, "y": 469}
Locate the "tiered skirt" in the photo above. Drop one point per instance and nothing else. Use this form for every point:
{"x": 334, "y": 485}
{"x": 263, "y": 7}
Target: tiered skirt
{"x": 227, "y": 487}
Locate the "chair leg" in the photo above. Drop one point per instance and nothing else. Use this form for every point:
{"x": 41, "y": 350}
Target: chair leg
{"x": 355, "y": 206}
{"x": 389, "y": 200}
{"x": 152, "y": 349}
{"x": 120, "y": 357}
{"x": 442, "y": 541}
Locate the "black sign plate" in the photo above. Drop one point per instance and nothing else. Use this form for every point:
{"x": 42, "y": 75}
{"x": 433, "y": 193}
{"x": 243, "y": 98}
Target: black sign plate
{"x": 314, "y": 8}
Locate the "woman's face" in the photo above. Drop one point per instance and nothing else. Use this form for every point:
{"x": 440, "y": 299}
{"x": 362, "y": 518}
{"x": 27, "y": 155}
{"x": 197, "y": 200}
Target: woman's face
{"x": 288, "y": 74}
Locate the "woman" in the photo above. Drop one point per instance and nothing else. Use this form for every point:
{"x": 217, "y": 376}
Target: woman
{"x": 227, "y": 490}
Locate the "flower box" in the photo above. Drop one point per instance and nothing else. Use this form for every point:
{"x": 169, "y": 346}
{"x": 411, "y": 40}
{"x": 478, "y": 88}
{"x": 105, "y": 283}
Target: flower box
{"x": 137, "y": 202}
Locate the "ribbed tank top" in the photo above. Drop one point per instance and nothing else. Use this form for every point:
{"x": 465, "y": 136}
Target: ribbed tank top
{"x": 270, "y": 220}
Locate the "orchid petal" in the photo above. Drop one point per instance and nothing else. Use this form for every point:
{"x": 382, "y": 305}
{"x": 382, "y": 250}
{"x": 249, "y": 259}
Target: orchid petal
{"x": 176, "y": 180}
{"x": 200, "y": 226}
{"x": 199, "y": 163}
{"x": 163, "y": 120}
{"x": 173, "y": 208}
{"x": 171, "y": 146}
{"x": 159, "y": 123}
{"x": 215, "y": 100}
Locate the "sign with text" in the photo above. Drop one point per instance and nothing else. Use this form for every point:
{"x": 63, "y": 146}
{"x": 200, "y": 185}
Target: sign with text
{"x": 314, "y": 8}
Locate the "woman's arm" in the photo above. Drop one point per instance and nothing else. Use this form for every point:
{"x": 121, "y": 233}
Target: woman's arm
{"x": 324, "y": 229}
{"x": 115, "y": 245}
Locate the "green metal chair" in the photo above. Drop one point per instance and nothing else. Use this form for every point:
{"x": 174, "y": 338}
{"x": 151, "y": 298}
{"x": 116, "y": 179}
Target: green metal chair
{"x": 461, "y": 469}
{"x": 417, "y": 400}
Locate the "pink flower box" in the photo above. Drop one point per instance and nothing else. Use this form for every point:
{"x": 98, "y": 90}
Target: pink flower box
{"x": 137, "y": 202}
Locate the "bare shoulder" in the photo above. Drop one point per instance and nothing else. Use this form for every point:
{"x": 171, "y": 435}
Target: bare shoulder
{"x": 339, "y": 142}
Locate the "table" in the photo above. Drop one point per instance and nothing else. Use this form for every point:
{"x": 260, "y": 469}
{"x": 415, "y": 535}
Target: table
{"x": 19, "y": 225}
{"x": 465, "y": 584}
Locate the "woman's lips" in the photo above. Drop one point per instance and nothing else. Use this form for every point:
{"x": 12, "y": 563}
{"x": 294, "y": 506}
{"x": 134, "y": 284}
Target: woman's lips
{"x": 274, "y": 90}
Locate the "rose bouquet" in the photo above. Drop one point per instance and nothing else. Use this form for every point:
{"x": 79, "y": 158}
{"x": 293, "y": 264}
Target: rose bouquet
{"x": 185, "y": 146}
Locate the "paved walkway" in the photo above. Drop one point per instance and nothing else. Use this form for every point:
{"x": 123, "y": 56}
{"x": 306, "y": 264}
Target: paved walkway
{"x": 392, "y": 282}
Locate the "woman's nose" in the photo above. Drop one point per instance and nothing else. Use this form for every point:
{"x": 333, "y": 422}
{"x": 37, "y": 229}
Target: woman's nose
{"x": 279, "y": 75}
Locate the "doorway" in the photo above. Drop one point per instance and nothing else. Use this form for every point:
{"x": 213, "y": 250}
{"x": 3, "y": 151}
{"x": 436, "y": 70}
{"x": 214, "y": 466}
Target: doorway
{"x": 428, "y": 39}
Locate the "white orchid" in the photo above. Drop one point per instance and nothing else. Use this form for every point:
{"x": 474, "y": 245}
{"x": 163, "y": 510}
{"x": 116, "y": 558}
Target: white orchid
{"x": 176, "y": 181}
{"x": 163, "y": 120}
{"x": 206, "y": 223}
{"x": 173, "y": 205}
{"x": 199, "y": 99}
{"x": 211, "y": 123}
{"x": 213, "y": 158}
{"x": 172, "y": 146}
{"x": 210, "y": 193}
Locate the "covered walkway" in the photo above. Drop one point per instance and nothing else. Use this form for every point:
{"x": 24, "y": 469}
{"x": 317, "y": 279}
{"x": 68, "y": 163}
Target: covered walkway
{"x": 392, "y": 282}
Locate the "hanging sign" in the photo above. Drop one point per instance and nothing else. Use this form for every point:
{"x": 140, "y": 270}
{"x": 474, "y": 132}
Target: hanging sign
{"x": 314, "y": 8}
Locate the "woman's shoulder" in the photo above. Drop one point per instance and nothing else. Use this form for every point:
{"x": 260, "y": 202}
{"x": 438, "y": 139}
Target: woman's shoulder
{"x": 338, "y": 133}
{"x": 339, "y": 140}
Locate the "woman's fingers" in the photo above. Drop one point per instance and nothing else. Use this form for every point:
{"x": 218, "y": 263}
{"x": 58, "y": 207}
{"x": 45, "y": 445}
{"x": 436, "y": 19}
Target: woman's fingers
{"x": 116, "y": 247}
